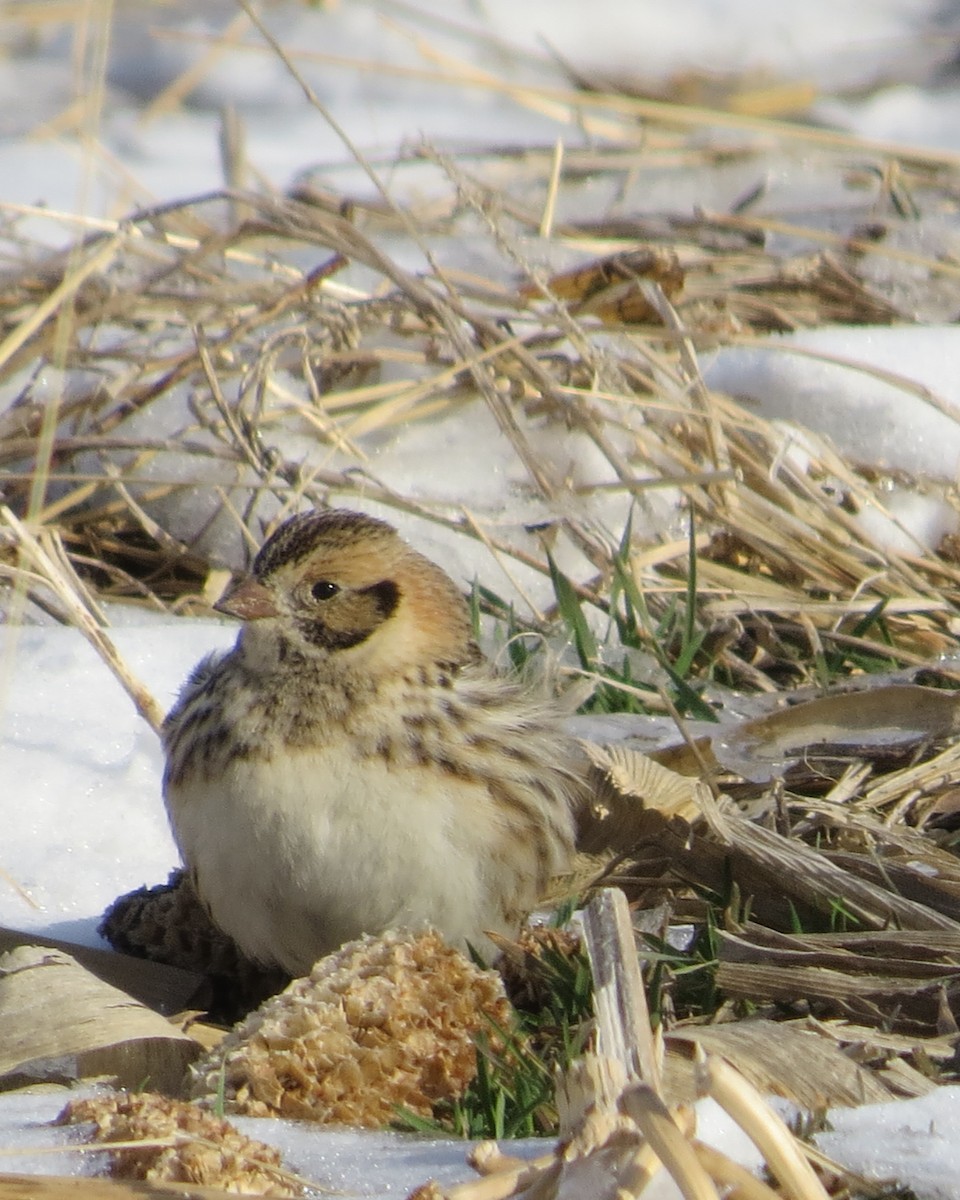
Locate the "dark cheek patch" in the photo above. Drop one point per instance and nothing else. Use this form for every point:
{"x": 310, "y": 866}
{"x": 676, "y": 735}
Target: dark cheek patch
{"x": 350, "y": 619}
{"x": 321, "y": 634}
{"x": 385, "y": 595}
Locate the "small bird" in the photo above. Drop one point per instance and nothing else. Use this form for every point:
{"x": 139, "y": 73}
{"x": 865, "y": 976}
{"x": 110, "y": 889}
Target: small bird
{"x": 354, "y": 764}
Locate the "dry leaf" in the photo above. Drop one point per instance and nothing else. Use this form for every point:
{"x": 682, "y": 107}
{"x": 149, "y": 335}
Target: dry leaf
{"x": 780, "y": 1058}
{"x": 631, "y": 795}
{"x": 866, "y": 722}
{"x": 610, "y": 287}
{"x": 59, "y": 1022}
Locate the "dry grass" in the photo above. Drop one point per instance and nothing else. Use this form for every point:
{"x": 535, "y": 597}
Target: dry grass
{"x": 179, "y": 378}
{"x": 204, "y": 329}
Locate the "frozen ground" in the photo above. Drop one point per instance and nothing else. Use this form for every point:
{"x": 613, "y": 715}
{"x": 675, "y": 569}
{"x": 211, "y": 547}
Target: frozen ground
{"x": 907, "y": 1140}
{"x": 79, "y": 773}
{"x": 353, "y": 1163}
{"x": 393, "y": 73}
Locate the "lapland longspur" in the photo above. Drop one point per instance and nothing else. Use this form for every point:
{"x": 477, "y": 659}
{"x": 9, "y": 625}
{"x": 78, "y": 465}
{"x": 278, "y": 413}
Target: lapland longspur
{"x": 354, "y": 764}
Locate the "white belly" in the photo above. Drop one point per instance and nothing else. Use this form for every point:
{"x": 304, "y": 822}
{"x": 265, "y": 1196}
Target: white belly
{"x": 297, "y": 856}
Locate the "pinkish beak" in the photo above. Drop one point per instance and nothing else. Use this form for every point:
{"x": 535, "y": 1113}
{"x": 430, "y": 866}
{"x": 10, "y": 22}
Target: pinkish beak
{"x": 249, "y": 600}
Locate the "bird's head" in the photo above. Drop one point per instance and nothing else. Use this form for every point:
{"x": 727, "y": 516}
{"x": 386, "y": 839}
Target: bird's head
{"x": 339, "y": 583}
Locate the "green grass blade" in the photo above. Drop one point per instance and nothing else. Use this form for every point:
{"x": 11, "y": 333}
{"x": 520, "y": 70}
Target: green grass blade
{"x": 571, "y": 612}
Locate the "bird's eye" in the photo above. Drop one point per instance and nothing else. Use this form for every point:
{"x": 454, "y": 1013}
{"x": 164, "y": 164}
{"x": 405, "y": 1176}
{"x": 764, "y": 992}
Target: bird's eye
{"x": 323, "y": 589}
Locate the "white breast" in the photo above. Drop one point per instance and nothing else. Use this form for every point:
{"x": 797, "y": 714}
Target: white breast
{"x": 298, "y": 855}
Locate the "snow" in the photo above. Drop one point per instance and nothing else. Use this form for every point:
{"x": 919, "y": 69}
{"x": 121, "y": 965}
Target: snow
{"x": 79, "y": 771}
{"x": 353, "y": 1162}
{"x": 887, "y": 398}
{"x": 910, "y": 1141}
{"x": 392, "y": 74}
{"x": 85, "y": 771}
{"x": 350, "y": 1162}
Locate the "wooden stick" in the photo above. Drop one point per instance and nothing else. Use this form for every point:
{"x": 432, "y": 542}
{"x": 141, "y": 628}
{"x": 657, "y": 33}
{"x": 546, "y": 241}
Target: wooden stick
{"x": 623, "y": 1019}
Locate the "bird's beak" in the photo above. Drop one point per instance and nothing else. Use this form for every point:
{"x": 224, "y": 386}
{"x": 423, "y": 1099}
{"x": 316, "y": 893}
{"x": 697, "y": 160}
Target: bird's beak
{"x": 248, "y": 599}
